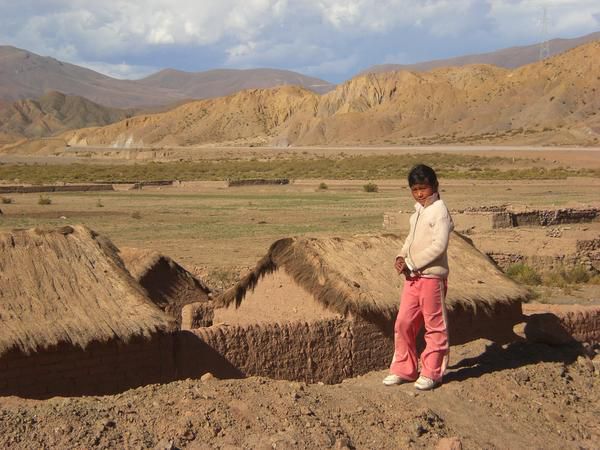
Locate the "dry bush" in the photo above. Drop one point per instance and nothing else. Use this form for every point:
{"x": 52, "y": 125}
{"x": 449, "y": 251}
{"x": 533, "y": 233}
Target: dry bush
{"x": 522, "y": 273}
{"x": 370, "y": 187}
{"x": 6, "y": 200}
{"x": 43, "y": 200}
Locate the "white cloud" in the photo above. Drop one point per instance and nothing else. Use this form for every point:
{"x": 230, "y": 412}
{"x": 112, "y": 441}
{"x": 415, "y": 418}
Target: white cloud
{"x": 338, "y": 66}
{"x": 522, "y": 19}
{"x": 321, "y": 36}
{"x": 380, "y": 16}
{"x": 121, "y": 71}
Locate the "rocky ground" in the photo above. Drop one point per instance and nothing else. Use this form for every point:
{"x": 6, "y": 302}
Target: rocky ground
{"x": 520, "y": 396}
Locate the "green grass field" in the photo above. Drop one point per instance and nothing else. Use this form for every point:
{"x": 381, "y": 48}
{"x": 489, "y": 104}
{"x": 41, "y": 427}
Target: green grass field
{"x": 340, "y": 167}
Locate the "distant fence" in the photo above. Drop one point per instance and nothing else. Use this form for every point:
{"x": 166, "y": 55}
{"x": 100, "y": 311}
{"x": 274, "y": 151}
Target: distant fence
{"x": 67, "y": 188}
{"x": 257, "y": 181}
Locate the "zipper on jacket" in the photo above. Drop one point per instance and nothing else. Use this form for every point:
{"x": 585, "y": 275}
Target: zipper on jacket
{"x": 413, "y": 236}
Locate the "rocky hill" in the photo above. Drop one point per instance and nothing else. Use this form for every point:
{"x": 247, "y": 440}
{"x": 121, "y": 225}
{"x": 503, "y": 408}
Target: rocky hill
{"x": 51, "y": 114}
{"x": 508, "y": 58}
{"x": 25, "y": 75}
{"x": 552, "y": 101}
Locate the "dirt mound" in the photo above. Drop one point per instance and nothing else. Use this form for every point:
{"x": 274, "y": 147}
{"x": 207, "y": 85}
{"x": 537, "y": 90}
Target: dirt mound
{"x": 169, "y": 285}
{"x": 521, "y": 396}
{"x": 551, "y": 101}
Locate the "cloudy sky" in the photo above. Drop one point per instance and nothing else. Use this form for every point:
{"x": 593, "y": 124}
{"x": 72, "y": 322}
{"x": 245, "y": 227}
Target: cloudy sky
{"x": 330, "y": 39}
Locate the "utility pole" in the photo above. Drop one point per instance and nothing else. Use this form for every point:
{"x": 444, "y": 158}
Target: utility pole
{"x": 544, "y": 44}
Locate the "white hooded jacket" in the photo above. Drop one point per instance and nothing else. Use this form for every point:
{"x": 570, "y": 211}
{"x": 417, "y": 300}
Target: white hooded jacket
{"x": 425, "y": 247}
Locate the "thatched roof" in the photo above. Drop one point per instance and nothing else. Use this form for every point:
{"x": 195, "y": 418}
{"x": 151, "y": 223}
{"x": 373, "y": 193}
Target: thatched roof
{"x": 169, "y": 285}
{"x": 356, "y": 275}
{"x": 69, "y": 285}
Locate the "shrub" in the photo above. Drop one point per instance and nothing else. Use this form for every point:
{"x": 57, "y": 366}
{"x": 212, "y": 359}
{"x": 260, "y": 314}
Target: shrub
{"x": 43, "y": 200}
{"x": 562, "y": 276}
{"x": 323, "y": 186}
{"x": 522, "y": 273}
{"x": 6, "y": 200}
{"x": 371, "y": 187}
{"x": 99, "y": 203}
{"x": 136, "y": 215}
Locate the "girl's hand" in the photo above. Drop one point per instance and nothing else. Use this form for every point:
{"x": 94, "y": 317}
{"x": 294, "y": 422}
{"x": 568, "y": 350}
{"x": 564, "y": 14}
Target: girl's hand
{"x": 400, "y": 265}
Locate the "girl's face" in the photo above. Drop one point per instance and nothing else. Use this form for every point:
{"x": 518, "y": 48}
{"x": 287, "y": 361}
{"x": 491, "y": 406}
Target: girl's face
{"x": 421, "y": 192}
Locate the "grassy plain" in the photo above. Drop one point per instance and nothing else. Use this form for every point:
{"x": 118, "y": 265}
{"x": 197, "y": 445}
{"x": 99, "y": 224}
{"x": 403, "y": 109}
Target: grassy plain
{"x": 205, "y": 224}
{"x": 340, "y": 166}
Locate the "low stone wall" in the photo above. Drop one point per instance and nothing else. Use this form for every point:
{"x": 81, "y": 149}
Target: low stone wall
{"x": 562, "y": 324}
{"x": 301, "y": 351}
{"x": 102, "y": 368}
{"x": 66, "y": 188}
{"x": 328, "y": 350}
{"x": 545, "y": 263}
{"x": 496, "y": 324}
{"x": 257, "y": 181}
{"x": 543, "y": 217}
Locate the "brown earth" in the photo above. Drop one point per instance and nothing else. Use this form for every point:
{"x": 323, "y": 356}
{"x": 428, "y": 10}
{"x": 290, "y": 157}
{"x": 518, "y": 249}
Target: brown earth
{"x": 549, "y": 102}
{"x": 524, "y": 395}
{"x": 518, "y": 396}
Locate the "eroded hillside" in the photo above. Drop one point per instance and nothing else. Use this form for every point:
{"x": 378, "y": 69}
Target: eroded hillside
{"x": 553, "y": 101}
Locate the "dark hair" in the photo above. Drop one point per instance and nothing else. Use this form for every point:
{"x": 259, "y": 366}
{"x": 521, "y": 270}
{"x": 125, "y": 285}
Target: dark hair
{"x": 422, "y": 174}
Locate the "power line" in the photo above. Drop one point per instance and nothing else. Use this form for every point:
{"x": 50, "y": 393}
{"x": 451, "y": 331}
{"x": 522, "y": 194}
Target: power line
{"x": 545, "y": 43}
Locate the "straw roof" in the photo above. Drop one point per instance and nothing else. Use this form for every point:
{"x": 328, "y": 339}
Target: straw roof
{"x": 168, "y": 284}
{"x": 69, "y": 285}
{"x": 356, "y": 275}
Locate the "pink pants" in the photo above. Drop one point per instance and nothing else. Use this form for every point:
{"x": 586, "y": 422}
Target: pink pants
{"x": 422, "y": 303}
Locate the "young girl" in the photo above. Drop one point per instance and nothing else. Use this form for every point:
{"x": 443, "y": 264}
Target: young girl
{"x": 423, "y": 261}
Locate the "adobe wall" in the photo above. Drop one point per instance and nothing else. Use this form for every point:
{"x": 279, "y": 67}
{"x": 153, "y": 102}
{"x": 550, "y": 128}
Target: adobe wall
{"x": 587, "y": 255}
{"x": 300, "y": 351}
{"x": 562, "y": 324}
{"x": 102, "y": 368}
{"x": 328, "y": 350}
{"x": 468, "y": 324}
{"x": 57, "y": 188}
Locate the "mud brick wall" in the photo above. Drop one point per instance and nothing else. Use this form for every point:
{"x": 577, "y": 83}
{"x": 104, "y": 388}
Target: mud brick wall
{"x": 589, "y": 252}
{"x": 372, "y": 345}
{"x": 562, "y": 324}
{"x": 67, "y": 188}
{"x": 300, "y": 351}
{"x": 102, "y": 368}
{"x": 257, "y": 181}
{"x": 503, "y": 220}
{"x": 469, "y": 323}
{"x": 590, "y": 260}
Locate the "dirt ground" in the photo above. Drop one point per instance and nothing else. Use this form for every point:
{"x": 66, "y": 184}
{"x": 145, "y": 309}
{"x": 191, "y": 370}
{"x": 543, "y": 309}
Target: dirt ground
{"x": 519, "y": 396}
{"x": 523, "y": 395}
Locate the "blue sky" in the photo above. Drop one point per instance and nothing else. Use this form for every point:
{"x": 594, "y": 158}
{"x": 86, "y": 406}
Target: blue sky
{"x": 330, "y": 39}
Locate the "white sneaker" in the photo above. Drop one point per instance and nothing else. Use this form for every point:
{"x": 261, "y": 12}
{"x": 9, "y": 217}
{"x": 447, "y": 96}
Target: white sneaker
{"x": 392, "y": 379}
{"x": 424, "y": 383}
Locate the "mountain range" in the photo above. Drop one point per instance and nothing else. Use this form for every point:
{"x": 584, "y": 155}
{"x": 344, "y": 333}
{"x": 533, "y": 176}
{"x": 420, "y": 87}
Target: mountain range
{"x": 378, "y": 106}
{"x": 508, "y": 58}
{"x": 551, "y": 101}
{"x": 25, "y": 75}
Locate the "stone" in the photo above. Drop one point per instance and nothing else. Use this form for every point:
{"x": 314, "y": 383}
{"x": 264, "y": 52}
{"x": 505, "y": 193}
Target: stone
{"x": 449, "y": 443}
{"x": 207, "y": 377}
